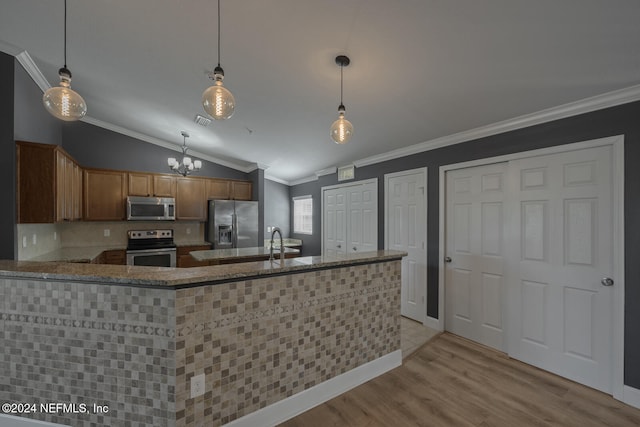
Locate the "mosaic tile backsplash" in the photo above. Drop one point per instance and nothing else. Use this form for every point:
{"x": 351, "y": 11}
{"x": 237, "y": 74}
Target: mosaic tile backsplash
{"x": 135, "y": 350}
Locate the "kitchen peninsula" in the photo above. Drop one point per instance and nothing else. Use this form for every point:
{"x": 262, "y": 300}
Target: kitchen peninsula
{"x": 269, "y": 339}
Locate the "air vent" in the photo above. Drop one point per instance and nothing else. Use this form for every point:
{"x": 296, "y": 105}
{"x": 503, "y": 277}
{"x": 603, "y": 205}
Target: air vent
{"x": 202, "y": 121}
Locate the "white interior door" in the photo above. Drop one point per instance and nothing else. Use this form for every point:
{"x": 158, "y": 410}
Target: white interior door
{"x": 350, "y": 218}
{"x": 474, "y": 288}
{"x": 407, "y": 231}
{"x": 560, "y": 315}
{"x": 334, "y": 223}
{"x": 363, "y": 217}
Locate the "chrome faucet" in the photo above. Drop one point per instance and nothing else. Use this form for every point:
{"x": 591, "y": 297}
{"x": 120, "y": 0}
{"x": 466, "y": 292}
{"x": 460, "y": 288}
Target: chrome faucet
{"x": 281, "y": 244}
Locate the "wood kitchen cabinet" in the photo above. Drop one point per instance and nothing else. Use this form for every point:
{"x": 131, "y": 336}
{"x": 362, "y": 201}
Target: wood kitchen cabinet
{"x": 104, "y": 195}
{"x": 185, "y": 260}
{"x": 148, "y": 184}
{"x": 49, "y": 184}
{"x": 191, "y": 203}
{"x": 218, "y": 188}
{"x": 112, "y": 256}
{"x": 241, "y": 190}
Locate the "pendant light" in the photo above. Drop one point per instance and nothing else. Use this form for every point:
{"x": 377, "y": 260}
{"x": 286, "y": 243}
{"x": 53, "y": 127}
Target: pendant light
{"x": 217, "y": 101}
{"x": 342, "y": 129}
{"x": 62, "y": 101}
{"x": 186, "y": 165}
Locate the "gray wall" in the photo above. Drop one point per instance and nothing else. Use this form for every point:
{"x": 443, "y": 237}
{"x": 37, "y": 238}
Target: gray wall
{"x": 624, "y": 119}
{"x": 257, "y": 177}
{"x": 32, "y": 122}
{"x": 96, "y": 147}
{"x": 277, "y": 205}
{"x": 8, "y": 249}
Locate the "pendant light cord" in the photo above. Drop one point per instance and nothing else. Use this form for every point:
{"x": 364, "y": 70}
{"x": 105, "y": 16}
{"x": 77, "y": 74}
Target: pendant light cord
{"x": 65, "y": 33}
{"x": 218, "y": 33}
{"x": 341, "y": 79}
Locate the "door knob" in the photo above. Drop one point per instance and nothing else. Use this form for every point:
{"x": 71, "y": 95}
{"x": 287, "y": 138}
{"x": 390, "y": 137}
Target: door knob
{"x": 607, "y": 281}
{"x": 447, "y": 259}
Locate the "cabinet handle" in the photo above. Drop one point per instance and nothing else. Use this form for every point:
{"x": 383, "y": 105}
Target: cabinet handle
{"x": 338, "y": 246}
{"x": 355, "y": 249}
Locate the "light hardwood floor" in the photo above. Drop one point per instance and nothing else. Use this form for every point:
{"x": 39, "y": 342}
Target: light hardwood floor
{"x": 413, "y": 335}
{"x": 453, "y": 382}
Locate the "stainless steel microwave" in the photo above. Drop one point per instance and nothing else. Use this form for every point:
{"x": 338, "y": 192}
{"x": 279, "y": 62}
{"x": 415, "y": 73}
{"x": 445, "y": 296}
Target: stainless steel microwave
{"x": 151, "y": 208}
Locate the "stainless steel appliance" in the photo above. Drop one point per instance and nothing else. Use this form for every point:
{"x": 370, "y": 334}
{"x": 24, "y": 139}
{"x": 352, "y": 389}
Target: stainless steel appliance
{"x": 151, "y": 248}
{"x": 151, "y": 208}
{"x": 232, "y": 224}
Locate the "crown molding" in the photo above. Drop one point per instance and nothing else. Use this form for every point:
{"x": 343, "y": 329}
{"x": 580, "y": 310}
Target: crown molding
{"x": 587, "y": 105}
{"x": 303, "y": 180}
{"x": 275, "y": 179}
{"x": 327, "y": 171}
{"x": 32, "y": 69}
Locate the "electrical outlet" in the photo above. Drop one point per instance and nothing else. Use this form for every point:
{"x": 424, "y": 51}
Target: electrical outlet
{"x": 107, "y": 232}
{"x": 269, "y": 229}
{"x": 188, "y": 231}
{"x": 55, "y": 235}
{"x": 197, "y": 385}
{"x": 34, "y": 239}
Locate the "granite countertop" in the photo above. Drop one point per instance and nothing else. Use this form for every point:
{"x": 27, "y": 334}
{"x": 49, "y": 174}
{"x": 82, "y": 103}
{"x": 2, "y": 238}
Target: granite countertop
{"x": 172, "y": 278}
{"x": 80, "y": 254}
{"x": 286, "y": 242}
{"x": 86, "y": 254}
{"x": 238, "y": 253}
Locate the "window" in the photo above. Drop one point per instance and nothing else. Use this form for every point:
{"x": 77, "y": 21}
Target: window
{"x": 303, "y": 215}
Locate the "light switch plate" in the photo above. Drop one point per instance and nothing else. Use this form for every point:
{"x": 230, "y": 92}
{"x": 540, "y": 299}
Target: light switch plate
{"x": 197, "y": 385}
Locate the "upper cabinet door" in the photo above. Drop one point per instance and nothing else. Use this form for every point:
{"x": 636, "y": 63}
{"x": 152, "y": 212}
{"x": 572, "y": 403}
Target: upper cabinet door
{"x": 104, "y": 195}
{"x": 218, "y": 189}
{"x": 140, "y": 184}
{"x": 190, "y": 199}
{"x": 164, "y": 185}
{"x": 241, "y": 190}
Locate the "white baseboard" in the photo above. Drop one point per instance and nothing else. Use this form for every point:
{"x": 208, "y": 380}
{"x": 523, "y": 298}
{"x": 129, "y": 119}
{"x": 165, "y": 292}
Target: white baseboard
{"x": 433, "y": 323}
{"x": 631, "y": 396}
{"x": 291, "y": 406}
{"x": 12, "y": 421}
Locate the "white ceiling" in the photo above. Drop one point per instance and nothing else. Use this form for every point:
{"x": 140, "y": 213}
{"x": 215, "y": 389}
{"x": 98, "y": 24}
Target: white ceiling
{"x": 420, "y": 69}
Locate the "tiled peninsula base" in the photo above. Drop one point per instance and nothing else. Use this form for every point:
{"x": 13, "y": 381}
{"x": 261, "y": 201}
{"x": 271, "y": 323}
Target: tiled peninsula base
{"x": 133, "y": 349}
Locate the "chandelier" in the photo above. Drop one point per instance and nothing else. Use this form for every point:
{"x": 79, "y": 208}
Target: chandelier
{"x": 186, "y": 166}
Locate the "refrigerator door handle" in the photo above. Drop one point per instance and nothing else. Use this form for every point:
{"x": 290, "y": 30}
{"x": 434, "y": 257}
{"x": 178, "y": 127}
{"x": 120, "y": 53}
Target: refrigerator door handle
{"x": 234, "y": 230}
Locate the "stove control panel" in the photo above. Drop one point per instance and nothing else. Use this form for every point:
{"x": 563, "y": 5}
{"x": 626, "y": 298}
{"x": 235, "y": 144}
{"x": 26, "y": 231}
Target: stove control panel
{"x": 150, "y": 234}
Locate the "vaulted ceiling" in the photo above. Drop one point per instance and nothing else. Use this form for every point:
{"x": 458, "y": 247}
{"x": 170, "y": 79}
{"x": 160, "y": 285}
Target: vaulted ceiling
{"x": 420, "y": 69}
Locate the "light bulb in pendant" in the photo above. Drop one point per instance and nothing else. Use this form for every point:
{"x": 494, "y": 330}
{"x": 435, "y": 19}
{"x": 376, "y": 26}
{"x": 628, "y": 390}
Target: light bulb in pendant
{"x": 62, "y": 101}
{"x": 342, "y": 129}
{"x": 217, "y": 101}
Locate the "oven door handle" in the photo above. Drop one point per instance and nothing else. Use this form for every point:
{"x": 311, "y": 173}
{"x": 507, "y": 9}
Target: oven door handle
{"x": 150, "y": 251}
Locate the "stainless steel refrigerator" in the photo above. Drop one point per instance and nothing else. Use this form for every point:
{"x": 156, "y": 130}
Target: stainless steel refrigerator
{"x": 232, "y": 224}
